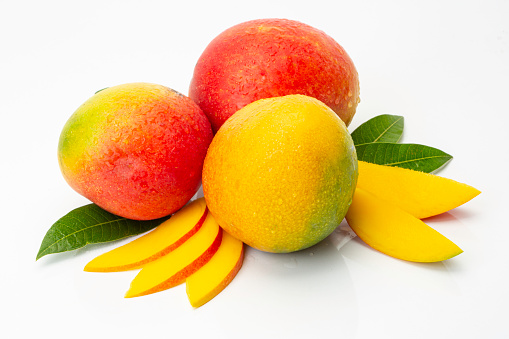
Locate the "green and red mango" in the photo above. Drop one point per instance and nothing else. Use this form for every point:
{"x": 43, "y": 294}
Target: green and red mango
{"x": 136, "y": 150}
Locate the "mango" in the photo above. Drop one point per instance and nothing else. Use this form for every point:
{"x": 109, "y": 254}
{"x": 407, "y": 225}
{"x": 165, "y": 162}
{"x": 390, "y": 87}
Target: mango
{"x": 173, "y": 268}
{"x": 188, "y": 247}
{"x": 164, "y": 239}
{"x": 269, "y": 58}
{"x": 217, "y": 273}
{"x": 136, "y": 150}
{"x": 391, "y": 230}
{"x": 280, "y": 173}
{"x": 421, "y": 194}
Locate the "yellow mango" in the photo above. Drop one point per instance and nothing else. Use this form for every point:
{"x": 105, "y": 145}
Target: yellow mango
{"x": 420, "y": 194}
{"x": 392, "y": 231}
{"x": 173, "y": 268}
{"x": 215, "y": 275}
{"x": 162, "y": 240}
{"x": 280, "y": 173}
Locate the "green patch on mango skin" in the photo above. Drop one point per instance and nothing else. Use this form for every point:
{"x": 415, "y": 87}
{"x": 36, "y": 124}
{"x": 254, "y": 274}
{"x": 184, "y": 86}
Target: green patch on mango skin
{"x": 330, "y": 212}
{"x": 77, "y": 134}
{"x": 85, "y": 132}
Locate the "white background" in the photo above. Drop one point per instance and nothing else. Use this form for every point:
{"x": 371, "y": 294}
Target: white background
{"x": 443, "y": 65}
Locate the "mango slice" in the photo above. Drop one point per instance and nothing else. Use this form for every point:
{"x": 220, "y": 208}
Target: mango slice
{"x": 173, "y": 268}
{"x": 162, "y": 240}
{"x": 420, "y": 194}
{"x": 215, "y": 275}
{"x": 393, "y": 231}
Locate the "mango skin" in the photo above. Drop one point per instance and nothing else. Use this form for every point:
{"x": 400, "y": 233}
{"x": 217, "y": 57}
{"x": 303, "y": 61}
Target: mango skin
{"x": 136, "y": 150}
{"x": 280, "y": 174}
{"x": 269, "y": 58}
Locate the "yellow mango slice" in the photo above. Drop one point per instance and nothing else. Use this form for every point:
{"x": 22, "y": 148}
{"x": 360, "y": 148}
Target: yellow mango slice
{"x": 173, "y": 268}
{"x": 420, "y": 194}
{"x": 215, "y": 275}
{"x": 392, "y": 231}
{"x": 162, "y": 240}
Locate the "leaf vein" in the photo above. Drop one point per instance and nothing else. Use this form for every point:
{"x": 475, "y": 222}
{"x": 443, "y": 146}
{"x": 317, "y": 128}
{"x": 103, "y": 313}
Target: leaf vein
{"x": 387, "y": 129}
{"x": 416, "y": 159}
{"x": 67, "y": 236}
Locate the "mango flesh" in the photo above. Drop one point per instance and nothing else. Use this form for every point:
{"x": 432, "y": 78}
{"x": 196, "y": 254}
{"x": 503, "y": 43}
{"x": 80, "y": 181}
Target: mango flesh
{"x": 173, "y": 268}
{"x": 269, "y": 58}
{"x": 136, "y": 150}
{"x": 164, "y": 239}
{"x": 420, "y": 194}
{"x": 280, "y": 173}
{"x": 390, "y": 230}
{"x": 216, "y": 274}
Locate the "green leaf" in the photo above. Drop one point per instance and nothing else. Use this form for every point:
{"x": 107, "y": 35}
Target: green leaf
{"x": 102, "y": 89}
{"x": 382, "y": 128}
{"x": 413, "y": 156}
{"x": 87, "y": 225}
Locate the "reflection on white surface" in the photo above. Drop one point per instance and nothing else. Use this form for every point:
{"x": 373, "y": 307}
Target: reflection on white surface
{"x": 283, "y": 292}
{"x": 342, "y": 235}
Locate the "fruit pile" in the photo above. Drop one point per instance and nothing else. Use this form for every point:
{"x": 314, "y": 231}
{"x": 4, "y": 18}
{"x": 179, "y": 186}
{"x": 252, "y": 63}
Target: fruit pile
{"x": 264, "y": 129}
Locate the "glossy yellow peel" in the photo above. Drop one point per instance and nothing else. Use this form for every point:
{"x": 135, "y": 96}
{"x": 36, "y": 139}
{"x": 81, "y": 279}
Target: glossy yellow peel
{"x": 420, "y": 194}
{"x": 391, "y": 230}
{"x": 162, "y": 240}
{"x": 280, "y": 173}
{"x": 215, "y": 275}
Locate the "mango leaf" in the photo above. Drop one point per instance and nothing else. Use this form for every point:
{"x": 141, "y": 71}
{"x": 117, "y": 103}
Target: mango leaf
{"x": 382, "y": 128}
{"x": 102, "y": 89}
{"x": 413, "y": 156}
{"x": 87, "y": 225}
